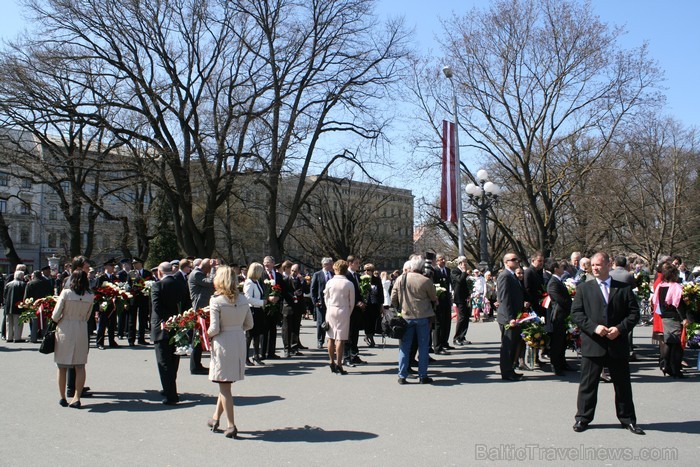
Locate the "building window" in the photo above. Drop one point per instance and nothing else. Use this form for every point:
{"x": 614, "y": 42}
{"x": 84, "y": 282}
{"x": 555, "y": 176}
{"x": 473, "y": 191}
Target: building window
{"x": 24, "y": 235}
{"x": 25, "y": 208}
{"x": 4, "y": 179}
{"x": 3, "y": 206}
{"x": 52, "y": 240}
{"x": 26, "y": 183}
{"x": 65, "y": 187}
{"x": 53, "y": 213}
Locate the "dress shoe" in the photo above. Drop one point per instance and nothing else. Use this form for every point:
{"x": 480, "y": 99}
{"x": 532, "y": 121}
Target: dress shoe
{"x": 113, "y": 345}
{"x": 213, "y": 424}
{"x": 357, "y": 360}
{"x": 633, "y": 357}
{"x": 425, "y": 380}
{"x": 287, "y": 355}
{"x": 199, "y": 371}
{"x": 580, "y": 427}
{"x": 248, "y": 362}
{"x": 634, "y": 428}
{"x": 18, "y": 341}
{"x": 513, "y": 377}
{"x": 442, "y": 352}
{"x": 348, "y": 362}
{"x": 132, "y": 344}
{"x": 63, "y": 403}
{"x": 101, "y": 346}
{"x": 75, "y": 405}
{"x": 167, "y": 401}
{"x": 297, "y": 354}
{"x": 402, "y": 381}
{"x": 447, "y": 347}
{"x": 142, "y": 342}
{"x": 559, "y": 373}
{"x": 605, "y": 378}
{"x": 258, "y": 360}
{"x": 524, "y": 367}
{"x": 319, "y": 346}
{"x": 466, "y": 342}
{"x": 273, "y": 356}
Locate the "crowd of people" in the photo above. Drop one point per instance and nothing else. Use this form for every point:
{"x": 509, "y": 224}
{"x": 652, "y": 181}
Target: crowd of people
{"x": 247, "y": 306}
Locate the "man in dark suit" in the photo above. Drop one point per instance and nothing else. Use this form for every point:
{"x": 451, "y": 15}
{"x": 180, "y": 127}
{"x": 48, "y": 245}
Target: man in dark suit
{"x": 462, "y": 287}
{"x": 443, "y": 311}
{"x": 318, "y": 285}
{"x": 606, "y": 311}
{"x": 559, "y": 310}
{"x": 123, "y": 276}
{"x": 140, "y": 310}
{"x": 511, "y": 298}
{"x": 351, "y": 351}
{"x": 535, "y": 283}
{"x": 273, "y": 312}
{"x": 201, "y": 288}
{"x": 107, "y": 320}
{"x": 168, "y": 297}
{"x": 36, "y": 288}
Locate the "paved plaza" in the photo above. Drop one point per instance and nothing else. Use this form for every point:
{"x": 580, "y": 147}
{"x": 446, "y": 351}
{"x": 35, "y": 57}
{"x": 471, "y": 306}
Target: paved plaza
{"x": 295, "y": 412}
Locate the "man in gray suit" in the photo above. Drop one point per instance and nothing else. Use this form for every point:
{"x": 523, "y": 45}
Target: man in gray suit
{"x": 201, "y": 289}
{"x": 318, "y": 285}
{"x": 621, "y": 274}
{"x": 511, "y": 299}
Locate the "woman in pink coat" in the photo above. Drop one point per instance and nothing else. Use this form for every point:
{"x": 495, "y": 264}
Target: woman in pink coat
{"x": 339, "y": 296}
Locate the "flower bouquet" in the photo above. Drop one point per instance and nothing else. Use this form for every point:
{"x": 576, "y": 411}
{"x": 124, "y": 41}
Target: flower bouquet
{"x": 643, "y": 289}
{"x": 41, "y": 308}
{"x": 440, "y": 290}
{"x": 139, "y": 286}
{"x": 272, "y": 289}
{"x": 573, "y": 336}
{"x": 110, "y": 298}
{"x": 187, "y": 322}
{"x": 533, "y": 333}
{"x": 692, "y": 332}
{"x": 365, "y": 284}
{"x": 691, "y": 295}
{"x": 570, "y": 284}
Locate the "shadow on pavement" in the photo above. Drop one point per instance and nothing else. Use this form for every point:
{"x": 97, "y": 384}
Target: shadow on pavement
{"x": 306, "y": 434}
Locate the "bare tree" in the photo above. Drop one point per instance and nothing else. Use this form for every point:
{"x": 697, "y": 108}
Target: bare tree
{"x": 538, "y": 81}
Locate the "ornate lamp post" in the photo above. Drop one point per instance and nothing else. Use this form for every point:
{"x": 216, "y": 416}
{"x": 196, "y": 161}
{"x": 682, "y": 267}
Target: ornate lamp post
{"x": 482, "y": 197}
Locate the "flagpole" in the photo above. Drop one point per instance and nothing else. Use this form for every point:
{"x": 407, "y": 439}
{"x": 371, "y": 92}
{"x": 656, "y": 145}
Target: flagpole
{"x": 447, "y": 70}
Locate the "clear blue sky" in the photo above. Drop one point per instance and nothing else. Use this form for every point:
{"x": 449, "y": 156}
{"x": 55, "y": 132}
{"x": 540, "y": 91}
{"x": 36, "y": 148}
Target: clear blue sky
{"x": 671, "y": 29}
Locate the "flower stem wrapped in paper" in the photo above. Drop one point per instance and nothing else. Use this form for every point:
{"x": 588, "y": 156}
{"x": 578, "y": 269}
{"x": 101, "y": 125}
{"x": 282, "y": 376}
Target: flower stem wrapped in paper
{"x": 111, "y": 298}
{"x": 365, "y": 285}
{"x": 272, "y": 290}
{"x": 531, "y": 330}
{"x": 440, "y": 290}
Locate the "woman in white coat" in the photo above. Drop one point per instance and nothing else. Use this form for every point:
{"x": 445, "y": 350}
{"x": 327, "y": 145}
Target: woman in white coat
{"x": 230, "y": 318}
{"x": 73, "y": 308}
{"x": 339, "y": 297}
{"x": 253, "y": 291}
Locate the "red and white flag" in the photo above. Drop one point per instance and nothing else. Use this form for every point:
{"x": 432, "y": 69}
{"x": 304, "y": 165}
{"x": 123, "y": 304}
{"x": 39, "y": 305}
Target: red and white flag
{"x": 448, "y": 192}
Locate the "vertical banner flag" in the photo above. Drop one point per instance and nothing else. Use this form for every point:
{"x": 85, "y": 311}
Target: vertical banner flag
{"x": 448, "y": 195}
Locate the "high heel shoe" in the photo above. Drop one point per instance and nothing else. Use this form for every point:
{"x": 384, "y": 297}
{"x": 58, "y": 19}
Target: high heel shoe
{"x": 258, "y": 360}
{"x": 334, "y": 368}
{"x": 339, "y": 370}
{"x": 63, "y": 403}
{"x": 213, "y": 424}
{"x": 231, "y": 432}
{"x": 75, "y": 405}
{"x": 248, "y": 362}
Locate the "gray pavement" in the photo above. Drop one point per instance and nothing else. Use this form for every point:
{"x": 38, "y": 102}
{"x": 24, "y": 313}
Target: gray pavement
{"x": 295, "y": 412}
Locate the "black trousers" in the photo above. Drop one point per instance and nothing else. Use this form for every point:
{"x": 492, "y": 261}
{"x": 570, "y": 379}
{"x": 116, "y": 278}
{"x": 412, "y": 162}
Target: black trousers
{"x": 269, "y": 335}
{"x": 320, "y": 318}
{"x": 619, "y": 369}
{"x": 443, "y": 323}
{"x": 370, "y": 317}
{"x": 196, "y": 357}
{"x": 510, "y": 343}
{"x": 168, "y": 364}
{"x": 356, "y": 323}
{"x": 138, "y": 313}
{"x": 106, "y": 322}
{"x": 123, "y": 321}
{"x": 290, "y": 337}
{"x": 463, "y": 313}
{"x": 557, "y": 343}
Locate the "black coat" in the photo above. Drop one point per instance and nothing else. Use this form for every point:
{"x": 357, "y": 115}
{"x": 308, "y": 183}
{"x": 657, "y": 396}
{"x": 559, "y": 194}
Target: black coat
{"x": 318, "y": 285}
{"x": 14, "y": 293}
{"x": 589, "y": 310}
{"x": 38, "y": 288}
{"x": 511, "y": 297}
{"x": 168, "y": 298}
{"x": 460, "y": 284}
{"x": 560, "y": 302}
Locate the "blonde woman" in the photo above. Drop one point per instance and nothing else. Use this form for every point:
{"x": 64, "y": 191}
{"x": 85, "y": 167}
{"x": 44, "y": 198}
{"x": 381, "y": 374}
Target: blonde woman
{"x": 253, "y": 290}
{"x": 230, "y": 318}
{"x": 339, "y": 296}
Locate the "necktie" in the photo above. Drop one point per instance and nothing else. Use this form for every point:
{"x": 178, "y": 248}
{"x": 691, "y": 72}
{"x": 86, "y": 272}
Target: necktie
{"x": 328, "y": 276}
{"x": 604, "y": 289}
{"x": 271, "y": 276}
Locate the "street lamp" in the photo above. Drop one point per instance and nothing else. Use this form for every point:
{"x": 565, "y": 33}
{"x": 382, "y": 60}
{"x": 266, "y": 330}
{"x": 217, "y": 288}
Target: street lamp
{"x": 447, "y": 71}
{"x": 482, "y": 197}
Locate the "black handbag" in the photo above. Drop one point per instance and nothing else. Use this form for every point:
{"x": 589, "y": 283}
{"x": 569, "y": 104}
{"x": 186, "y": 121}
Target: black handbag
{"x": 48, "y": 344}
{"x": 325, "y": 326}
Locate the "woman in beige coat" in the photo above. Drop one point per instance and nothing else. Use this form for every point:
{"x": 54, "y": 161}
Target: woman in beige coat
{"x": 72, "y": 311}
{"x": 339, "y": 297}
{"x": 230, "y": 319}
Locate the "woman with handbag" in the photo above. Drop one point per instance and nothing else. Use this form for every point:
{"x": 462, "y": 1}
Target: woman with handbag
{"x": 253, "y": 291}
{"x": 73, "y": 308}
{"x": 339, "y": 297}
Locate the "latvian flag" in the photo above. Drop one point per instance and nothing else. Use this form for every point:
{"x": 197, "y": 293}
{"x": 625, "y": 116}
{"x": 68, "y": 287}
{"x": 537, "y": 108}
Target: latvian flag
{"x": 448, "y": 192}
